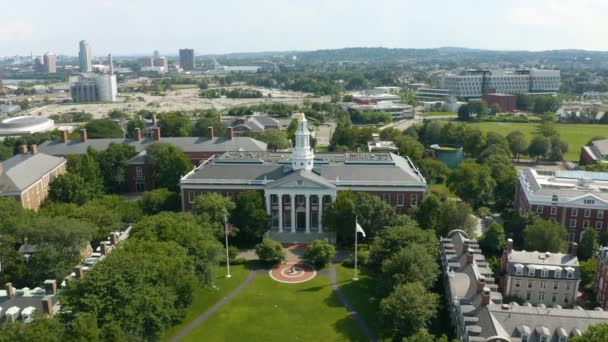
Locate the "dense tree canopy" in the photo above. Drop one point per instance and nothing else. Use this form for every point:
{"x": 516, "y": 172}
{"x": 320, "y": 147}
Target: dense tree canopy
{"x": 409, "y": 308}
{"x": 103, "y": 128}
{"x": 174, "y": 124}
{"x": 250, "y": 217}
{"x": 168, "y": 163}
{"x": 545, "y": 236}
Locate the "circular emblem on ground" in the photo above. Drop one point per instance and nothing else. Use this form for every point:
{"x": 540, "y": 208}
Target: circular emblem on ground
{"x": 292, "y": 273}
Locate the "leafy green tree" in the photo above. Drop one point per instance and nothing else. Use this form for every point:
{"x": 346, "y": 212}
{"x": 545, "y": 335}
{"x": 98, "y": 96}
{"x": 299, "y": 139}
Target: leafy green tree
{"x": 411, "y": 264}
{"x": 492, "y": 242}
{"x": 464, "y": 113}
{"x": 87, "y": 167}
{"x": 539, "y": 147}
{"x": 588, "y": 245}
{"x": 113, "y": 164}
{"x": 276, "y": 139}
{"x": 202, "y": 125}
{"x": 319, "y": 253}
{"x": 270, "y": 252}
{"x": 456, "y": 215}
{"x": 391, "y": 240}
{"x": 423, "y": 336}
{"x": 594, "y": 333}
{"x": 158, "y": 200}
{"x": 435, "y": 171}
{"x": 214, "y": 208}
{"x": 69, "y": 188}
{"x": 174, "y": 124}
{"x": 169, "y": 164}
{"x": 84, "y": 328}
{"x": 5, "y": 152}
{"x": 518, "y": 143}
{"x": 473, "y": 183}
{"x": 117, "y": 114}
{"x": 408, "y": 309}
{"x": 48, "y": 330}
{"x": 128, "y": 211}
{"x": 545, "y": 236}
{"x": 588, "y": 269}
{"x": 410, "y": 147}
{"x": 474, "y": 141}
{"x": 103, "y": 128}
{"x": 134, "y": 123}
{"x": 428, "y": 213}
{"x": 250, "y": 217}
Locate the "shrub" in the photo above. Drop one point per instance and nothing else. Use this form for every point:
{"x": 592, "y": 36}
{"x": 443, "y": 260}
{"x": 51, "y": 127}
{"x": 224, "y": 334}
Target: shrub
{"x": 270, "y": 252}
{"x": 319, "y": 253}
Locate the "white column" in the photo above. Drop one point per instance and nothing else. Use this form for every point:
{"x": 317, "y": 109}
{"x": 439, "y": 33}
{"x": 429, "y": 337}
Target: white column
{"x": 320, "y": 219}
{"x": 307, "y": 206}
{"x": 280, "y": 212}
{"x": 293, "y": 213}
{"x": 268, "y": 204}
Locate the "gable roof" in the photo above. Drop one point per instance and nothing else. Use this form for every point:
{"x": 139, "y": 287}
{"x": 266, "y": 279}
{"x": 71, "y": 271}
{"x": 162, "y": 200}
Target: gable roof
{"x": 305, "y": 174}
{"x": 22, "y": 170}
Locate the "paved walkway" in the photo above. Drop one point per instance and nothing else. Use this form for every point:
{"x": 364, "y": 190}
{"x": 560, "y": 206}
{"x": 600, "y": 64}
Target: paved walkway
{"x": 333, "y": 279}
{"x": 203, "y": 317}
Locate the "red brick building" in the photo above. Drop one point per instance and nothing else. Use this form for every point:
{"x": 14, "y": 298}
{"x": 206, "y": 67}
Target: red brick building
{"x": 596, "y": 152}
{"x": 601, "y": 279}
{"x": 299, "y": 186}
{"x": 576, "y": 199}
{"x": 507, "y": 103}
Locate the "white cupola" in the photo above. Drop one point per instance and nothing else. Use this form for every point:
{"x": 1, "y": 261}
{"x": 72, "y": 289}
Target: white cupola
{"x": 302, "y": 155}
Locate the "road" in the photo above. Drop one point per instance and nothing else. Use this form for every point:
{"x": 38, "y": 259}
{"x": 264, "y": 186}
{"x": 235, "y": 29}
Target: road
{"x": 324, "y": 132}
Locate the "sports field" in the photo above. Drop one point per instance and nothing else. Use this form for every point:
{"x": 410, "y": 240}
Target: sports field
{"x": 575, "y": 135}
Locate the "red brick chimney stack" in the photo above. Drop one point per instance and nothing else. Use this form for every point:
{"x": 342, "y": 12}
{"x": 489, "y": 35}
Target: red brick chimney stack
{"x": 10, "y": 290}
{"x": 23, "y": 149}
{"x": 229, "y": 133}
{"x": 34, "y": 148}
{"x": 50, "y": 286}
{"x": 156, "y": 134}
{"x": 137, "y": 134}
{"x": 210, "y": 134}
{"x": 83, "y": 135}
{"x": 64, "y": 136}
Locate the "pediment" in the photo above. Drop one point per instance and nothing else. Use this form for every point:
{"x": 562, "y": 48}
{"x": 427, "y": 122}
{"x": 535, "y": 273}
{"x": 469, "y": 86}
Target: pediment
{"x": 301, "y": 180}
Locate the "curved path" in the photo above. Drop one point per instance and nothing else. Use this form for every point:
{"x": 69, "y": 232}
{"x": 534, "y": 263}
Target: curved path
{"x": 333, "y": 279}
{"x": 205, "y": 315}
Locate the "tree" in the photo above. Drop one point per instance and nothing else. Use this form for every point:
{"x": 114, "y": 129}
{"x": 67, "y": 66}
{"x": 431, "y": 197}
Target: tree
{"x": 409, "y": 308}
{"x": 435, "y": 171}
{"x": 474, "y": 141}
{"x": 588, "y": 245}
{"x": 423, "y": 336}
{"x": 428, "y": 213}
{"x": 102, "y": 129}
{"x": 545, "y": 236}
{"x": 539, "y": 147}
{"x": 87, "y": 167}
{"x": 174, "y": 124}
{"x": 492, "y": 242}
{"x": 211, "y": 119}
{"x": 594, "y": 333}
{"x": 456, "y": 215}
{"x": 214, "y": 208}
{"x": 588, "y": 269}
{"x": 48, "y": 330}
{"x": 128, "y": 211}
{"x": 5, "y": 152}
{"x": 391, "y": 240}
{"x": 473, "y": 183}
{"x": 517, "y": 143}
{"x": 276, "y": 139}
{"x": 117, "y": 114}
{"x": 113, "y": 164}
{"x": 464, "y": 113}
{"x": 250, "y": 217}
{"x": 411, "y": 264}
{"x": 158, "y": 200}
{"x": 134, "y": 123}
{"x": 319, "y": 253}
{"x": 69, "y": 188}
{"x": 270, "y": 252}
{"x": 169, "y": 164}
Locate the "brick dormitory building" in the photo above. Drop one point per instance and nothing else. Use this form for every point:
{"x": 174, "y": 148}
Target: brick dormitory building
{"x": 576, "y": 199}
{"x": 298, "y": 187}
{"x": 138, "y": 172}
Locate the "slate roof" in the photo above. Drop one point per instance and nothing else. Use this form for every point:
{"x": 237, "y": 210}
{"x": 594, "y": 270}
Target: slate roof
{"x": 187, "y": 144}
{"x": 22, "y": 170}
{"x": 567, "y": 185}
{"x": 539, "y": 260}
{"x": 601, "y": 147}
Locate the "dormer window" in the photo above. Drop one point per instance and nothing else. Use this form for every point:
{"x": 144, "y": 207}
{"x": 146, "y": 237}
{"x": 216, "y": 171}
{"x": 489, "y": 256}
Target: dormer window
{"x": 544, "y": 273}
{"x": 530, "y": 272}
{"x": 554, "y": 198}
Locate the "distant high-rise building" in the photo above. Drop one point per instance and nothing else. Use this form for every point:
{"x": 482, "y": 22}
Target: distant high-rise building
{"x": 144, "y": 61}
{"x": 1, "y": 79}
{"x": 50, "y": 63}
{"x": 110, "y": 64}
{"x": 156, "y": 54}
{"x": 186, "y": 59}
{"x": 85, "y": 57}
{"x": 161, "y": 62}
{"x": 38, "y": 64}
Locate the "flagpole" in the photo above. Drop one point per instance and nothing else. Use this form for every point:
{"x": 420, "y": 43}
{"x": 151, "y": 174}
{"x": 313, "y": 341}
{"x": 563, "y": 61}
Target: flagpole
{"x": 356, "y": 233}
{"x": 227, "y": 255}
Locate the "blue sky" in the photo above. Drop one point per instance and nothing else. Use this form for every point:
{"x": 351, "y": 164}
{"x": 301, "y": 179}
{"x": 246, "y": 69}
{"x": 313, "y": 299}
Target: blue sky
{"x": 221, "y": 26}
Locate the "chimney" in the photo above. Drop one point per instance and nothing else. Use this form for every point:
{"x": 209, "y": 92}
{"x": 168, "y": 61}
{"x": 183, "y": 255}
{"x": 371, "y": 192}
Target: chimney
{"x": 229, "y": 133}
{"x": 574, "y": 248}
{"x": 47, "y": 305}
{"x": 34, "y": 148}
{"x": 509, "y": 245}
{"x": 156, "y": 133}
{"x": 23, "y": 149}
{"x": 210, "y": 133}
{"x": 481, "y": 284}
{"x": 83, "y": 135}
{"x": 79, "y": 272}
{"x": 64, "y": 136}
{"x": 485, "y": 296}
{"x": 114, "y": 239}
{"x": 137, "y": 134}
{"x": 67, "y": 280}
{"x": 10, "y": 290}
{"x": 103, "y": 247}
{"x": 470, "y": 257}
{"x": 23, "y": 240}
{"x": 50, "y": 286}
{"x": 466, "y": 247}
{"x": 154, "y": 120}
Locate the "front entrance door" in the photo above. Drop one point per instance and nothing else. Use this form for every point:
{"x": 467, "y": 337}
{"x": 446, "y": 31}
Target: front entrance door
{"x": 301, "y": 219}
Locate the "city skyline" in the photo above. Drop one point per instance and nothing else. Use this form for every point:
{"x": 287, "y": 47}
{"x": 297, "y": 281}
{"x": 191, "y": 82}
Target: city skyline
{"x": 239, "y": 26}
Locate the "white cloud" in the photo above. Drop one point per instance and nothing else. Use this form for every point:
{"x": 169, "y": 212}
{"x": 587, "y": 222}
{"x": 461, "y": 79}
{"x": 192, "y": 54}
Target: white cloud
{"x": 15, "y": 29}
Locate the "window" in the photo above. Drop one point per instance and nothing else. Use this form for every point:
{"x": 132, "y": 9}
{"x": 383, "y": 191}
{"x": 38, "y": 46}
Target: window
{"x": 139, "y": 173}
{"x": 566, "y": 298}
{"x": 517, "y": 283}
{"x": 530, "y": 272}
{"x": 541, "y": 296}
{"x": 539, "y": 209}
{"x": 567, "y": 286}
{"x": 589, "y": 201}
{"x": 587, "y": 212}
{"x": 414, "y": 200}
{"x": 585, "y": 223}
{"x": 574, "y": 212}
{"x": 557, "y": 273}
{"x": 570, "y": 237}
{"x": 554, "y": 198}
{"x": 543, "y": 284}
{"x": 599, "y": 225}
{"x": 554, "y": 298}
{"x": 529, "y": 284}
{"x": 230, "y": 196}
{"x": 555, "y": 285}
{"x": 553, "y": 210}
{"x": 518, "y": 271}
{"x": 572, "y": 223}
{"x": 563, "y": 339}
{"x": 544, "y": 273}
{"x": 139, "y": 187}
{"x": 191, "y": 196}
{"x": 600, "y": 214}
{"x": 524, "y": 338}
{"x": 400, "y": 200}
{"x": 314, "y": 199}
{"x": 387, "y": 197}
{"x": 274, "y": 199}
{"x": 543, "y": 339}
{"x": 529, "y": 296}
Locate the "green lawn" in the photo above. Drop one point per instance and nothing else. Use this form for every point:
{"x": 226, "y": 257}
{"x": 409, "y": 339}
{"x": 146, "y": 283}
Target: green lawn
{"x": 574, "y": 135}
{"x": 271, "y": 311}
{"x": 429, "y": 114}
{"x": 205, "y": 298}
